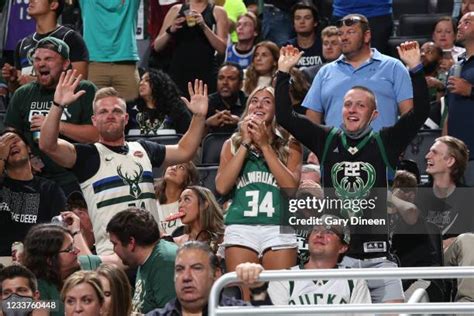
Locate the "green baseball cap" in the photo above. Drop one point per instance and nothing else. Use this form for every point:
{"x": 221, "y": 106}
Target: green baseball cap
{"x": 54, "y": 44}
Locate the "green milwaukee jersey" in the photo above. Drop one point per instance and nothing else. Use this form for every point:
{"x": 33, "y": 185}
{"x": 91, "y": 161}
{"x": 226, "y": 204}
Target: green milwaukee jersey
{"x": 256, "y": 196}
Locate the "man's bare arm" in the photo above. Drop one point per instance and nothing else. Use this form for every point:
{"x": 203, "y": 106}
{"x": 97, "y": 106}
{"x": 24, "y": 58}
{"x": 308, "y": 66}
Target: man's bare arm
{"x": 61, "y": 151}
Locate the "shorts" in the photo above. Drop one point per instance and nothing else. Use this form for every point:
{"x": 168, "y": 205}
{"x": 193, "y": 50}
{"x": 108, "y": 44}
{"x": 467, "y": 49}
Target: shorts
{"x": 258, "y": 238}
{"x": 381, "y": 290}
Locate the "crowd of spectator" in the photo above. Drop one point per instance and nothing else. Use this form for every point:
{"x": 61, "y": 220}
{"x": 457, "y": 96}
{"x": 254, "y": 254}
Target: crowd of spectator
{"x": 101, "y": 216}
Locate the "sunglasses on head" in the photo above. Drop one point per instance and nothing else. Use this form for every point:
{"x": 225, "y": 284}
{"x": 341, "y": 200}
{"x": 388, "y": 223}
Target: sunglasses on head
{"x": 350, "y": 21}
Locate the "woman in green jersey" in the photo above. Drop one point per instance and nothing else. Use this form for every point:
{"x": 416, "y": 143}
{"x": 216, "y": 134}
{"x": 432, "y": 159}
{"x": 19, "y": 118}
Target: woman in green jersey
{"x": 258, "y": 160}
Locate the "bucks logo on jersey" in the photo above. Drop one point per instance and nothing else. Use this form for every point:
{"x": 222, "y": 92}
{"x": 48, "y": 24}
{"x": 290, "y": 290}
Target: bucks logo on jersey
{"x": 132, "y": 180}
{"x": 352, "y": 180}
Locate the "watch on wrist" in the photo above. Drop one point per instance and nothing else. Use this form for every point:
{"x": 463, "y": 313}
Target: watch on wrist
{"x": 62, "y": 106}
{"x": 260, "y": 289}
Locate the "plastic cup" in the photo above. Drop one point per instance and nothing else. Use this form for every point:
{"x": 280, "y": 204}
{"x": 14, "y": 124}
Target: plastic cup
{"x": 190, "y": 18}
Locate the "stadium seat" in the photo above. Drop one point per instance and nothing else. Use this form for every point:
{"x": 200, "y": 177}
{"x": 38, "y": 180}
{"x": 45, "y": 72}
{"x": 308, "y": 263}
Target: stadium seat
{"x": 419, "y": 147}
{"x": 395, "y": 41}
{"x": 416, "y": 25}
{"x": 211, "y": 148}
{"x": 409, "y": 7}
{"x": 207, "y": 177}
{"x": 325, "y": 7}
{"x": 445, "y": 7}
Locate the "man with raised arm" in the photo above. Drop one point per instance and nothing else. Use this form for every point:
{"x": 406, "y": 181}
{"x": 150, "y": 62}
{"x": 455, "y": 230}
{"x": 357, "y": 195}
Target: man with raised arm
{"x": 115, "y": 174}
{"x": 355, "y": 161}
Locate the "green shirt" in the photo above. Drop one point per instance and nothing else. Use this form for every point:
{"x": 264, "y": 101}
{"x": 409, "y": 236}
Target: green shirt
{"x": 256, "y": 196}
{"x": 109, "y": 29}
{"x": 234, "y": 9}
{"x": 154, "y": 285}
{"x": 49, "y": 292}
{"x": 32, "y": 99}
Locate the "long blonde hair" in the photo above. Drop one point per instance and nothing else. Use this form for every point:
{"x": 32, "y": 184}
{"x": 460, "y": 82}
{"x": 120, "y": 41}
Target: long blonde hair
{"x": 281, "y": 140}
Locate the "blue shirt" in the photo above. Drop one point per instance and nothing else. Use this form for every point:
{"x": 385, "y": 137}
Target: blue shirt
{"x": 461, "y": 109}
{"x": 368, "y": 8}
{"x": 387, "y": 77}
{"x": 109, "y": 29}
{"x": 243, "y": 60}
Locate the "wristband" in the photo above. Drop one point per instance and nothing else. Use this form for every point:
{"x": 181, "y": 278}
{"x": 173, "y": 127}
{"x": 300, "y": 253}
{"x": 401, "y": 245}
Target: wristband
{"x": 260, "y": 289}
{"x": 59, "y": 105}
{"x": 168, "y": 30}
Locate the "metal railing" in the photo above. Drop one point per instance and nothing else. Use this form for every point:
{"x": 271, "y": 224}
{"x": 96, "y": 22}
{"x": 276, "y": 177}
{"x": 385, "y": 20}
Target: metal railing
{"x": 419, "y": 295}
{"x": 375, "y": 273}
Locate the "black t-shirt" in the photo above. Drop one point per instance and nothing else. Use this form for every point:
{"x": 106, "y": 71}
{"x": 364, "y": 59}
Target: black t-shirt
{"x": 88, "y": 159}
{"x": 24, "y": 204}
{"x": 452, "y": 214}
{"x": 149, "y": 121}
{"x": 217, "y": 104}
{"x": 312, "y": 56}
{"x": 77, "y": 47}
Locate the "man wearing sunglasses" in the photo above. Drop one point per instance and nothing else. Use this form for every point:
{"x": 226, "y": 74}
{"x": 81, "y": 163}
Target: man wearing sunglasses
{"x": 359, "y": 65}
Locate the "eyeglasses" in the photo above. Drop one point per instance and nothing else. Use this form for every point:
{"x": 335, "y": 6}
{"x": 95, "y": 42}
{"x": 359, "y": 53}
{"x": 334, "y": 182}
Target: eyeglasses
{"x": 350, "y": 21}
{"x": 69, "y": 249}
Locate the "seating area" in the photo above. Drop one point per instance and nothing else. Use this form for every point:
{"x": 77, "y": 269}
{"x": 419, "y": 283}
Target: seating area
{"x": 416, "y": 22}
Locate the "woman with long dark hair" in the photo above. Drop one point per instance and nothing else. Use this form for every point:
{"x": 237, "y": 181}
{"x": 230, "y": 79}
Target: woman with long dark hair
{"x": 168, "y": 190}
{"x": 159, "y": 106}
{"x": 202, "y": 217}
{"x": 51, "y": 255}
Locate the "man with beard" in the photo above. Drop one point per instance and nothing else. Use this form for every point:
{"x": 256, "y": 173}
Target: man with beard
{"x": 25, "y": 199}
{"x": 31, "y": 103}
{"x": 359, "y": 65}
{"x": 431, "y": 56}
{"x": 46, "y": 14}
{"x": 356, "y": 161}
{"x": 460, "y": 96}
{"x": 115, "y": 174}
{"x": 227, "y": 104}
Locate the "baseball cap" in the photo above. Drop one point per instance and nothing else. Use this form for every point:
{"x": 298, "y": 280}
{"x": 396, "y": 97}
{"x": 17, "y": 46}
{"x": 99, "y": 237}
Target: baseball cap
{"x": 54, "y": 44}
{"x": 336, "y": 225}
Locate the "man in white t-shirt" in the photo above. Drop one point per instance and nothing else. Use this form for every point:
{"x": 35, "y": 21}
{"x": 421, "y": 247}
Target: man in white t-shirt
{"x": 327, "y": 244}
